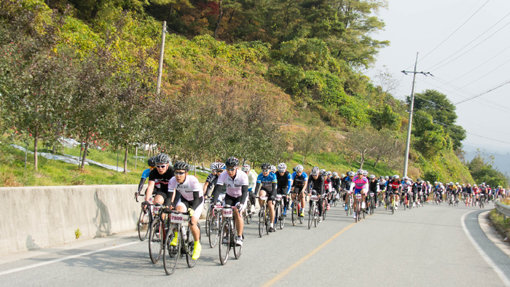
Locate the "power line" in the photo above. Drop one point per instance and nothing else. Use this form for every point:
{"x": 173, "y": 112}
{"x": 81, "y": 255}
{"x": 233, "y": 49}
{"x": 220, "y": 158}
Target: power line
{"x": 455, "y": 31}
{"x": 484, "y": 93}
{"x": 488, "y": 73}
{"x": 448, "y": 59}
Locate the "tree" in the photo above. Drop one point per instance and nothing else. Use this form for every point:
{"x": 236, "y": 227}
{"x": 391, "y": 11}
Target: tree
{"x": 360, "y": 143}
{"x": 385, "y": 118}
{"x": 483, "y": 171}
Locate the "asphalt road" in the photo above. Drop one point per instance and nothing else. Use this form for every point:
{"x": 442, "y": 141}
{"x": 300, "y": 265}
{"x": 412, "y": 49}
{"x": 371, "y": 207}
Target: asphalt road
{"x": 426, "y": 246}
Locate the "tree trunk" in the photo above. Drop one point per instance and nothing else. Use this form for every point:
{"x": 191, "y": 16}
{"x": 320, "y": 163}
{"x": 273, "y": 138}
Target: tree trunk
{"x": 84, "y": 153}
{"x": 218, "y": 21}
{"x": 377, "y": 160}
{"x": 125, "y": 159}
{"x": 36, "y": 139}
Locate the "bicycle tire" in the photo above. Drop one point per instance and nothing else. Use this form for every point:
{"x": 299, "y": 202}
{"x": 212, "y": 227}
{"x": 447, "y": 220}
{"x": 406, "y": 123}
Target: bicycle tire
{"x": 171, "y": 253}
{"x": 142, "y": 235}
{"x": 310, "y": 215}
{"x": 208, "y": 221}
{"x": 214, "y": 232}
{"x": 262, "y": 219}
{"x": 237, "y": 248}
{"x": 224, "y": 246}
{"x": 155, "y": 241}
{"x": 293, "y": 214}
{"x": 282, "y": 218}
{"x": 276, "y": 214}
{"x": 190, "y": 246}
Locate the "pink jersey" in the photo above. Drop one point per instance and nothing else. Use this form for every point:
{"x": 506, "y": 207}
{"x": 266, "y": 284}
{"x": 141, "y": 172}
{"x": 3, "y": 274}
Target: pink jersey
{"x": 187, "y": 188}
{"x": 359, "y": 182}
{"x": 234, "y": 186}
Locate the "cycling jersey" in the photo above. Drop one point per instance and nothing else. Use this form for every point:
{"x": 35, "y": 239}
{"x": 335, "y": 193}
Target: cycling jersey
{"x": 252, "y": 179}
{"x": 373, "y": 185}
{"x": 161, "y": 180}
{"x": 212, "y": 179}
{"x": 394, "y": 186}
{"x": 346, "y": 183}
{"x": 359, "y": 183}
{"x": 299, "y": 180}
{"x": 190, "y": 190}
{"x": 145, "y": 173}
{"x": 316, "y": 184}
{"x": 335, "y": 181}
{"x": 266, "y": 182}
{"x": 284, "y": 182}
{"x": 234, "y": 186}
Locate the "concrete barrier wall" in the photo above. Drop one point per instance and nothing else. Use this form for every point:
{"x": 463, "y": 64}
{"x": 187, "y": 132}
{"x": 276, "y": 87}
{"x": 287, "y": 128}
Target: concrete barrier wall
{"x": 41, "y": 217}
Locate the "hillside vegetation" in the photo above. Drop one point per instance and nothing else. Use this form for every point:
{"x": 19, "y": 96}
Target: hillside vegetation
{"x": 261, "y": 80}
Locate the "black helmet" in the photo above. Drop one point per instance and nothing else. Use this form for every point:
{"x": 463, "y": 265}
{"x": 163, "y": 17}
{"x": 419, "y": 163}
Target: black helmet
{"x": 232, "y": 162}
{"x": 265, "y": 166}
{"x": 162, "y": 158}
{"x": 151, "y": 161}
{"x": 180, "y": 165}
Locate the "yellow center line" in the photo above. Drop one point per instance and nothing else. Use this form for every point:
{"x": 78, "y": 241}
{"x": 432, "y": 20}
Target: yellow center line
{"x": 306, "y": 257}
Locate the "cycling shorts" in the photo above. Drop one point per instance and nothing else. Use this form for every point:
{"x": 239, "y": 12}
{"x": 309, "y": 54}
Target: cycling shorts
{"x": 298, "y": 189}
{"x": 166, "y": 197}
{"x": 232, "y": 201}
{"x": 282, "y": 190}
{"x": 356, "y": 191}
{"x": 188, "y": 204}
{"x": 270, "y": 195}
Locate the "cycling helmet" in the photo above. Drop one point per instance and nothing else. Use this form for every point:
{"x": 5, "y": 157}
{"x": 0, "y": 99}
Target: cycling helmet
{"x": 350, "y": 173}
{"x": 180, "y": 165}
{"x": 387, "y": 177}
{"x": 365, "y": 172}
{"x": 273, "y": 169}
{"x": 342, "y": 175}
{"x": 299, "y": 168}
{"x": 396, "y": 176}
{"x": 282, "y": 167}
{"x": 214, "y": 166}
{"x": 232, "y": 162}
{"x": 246, "y": 167}
{"x": 372, "y": 176}
{"x": 335, "y": 174}
{"x": 151, "y": 162}
{"x": 360, "y": 172}
{"x": 221, "y": 165}
{"x": 328, "y": 172}
{"x": 265, "y": 166}
{"x": 315, "y": 171}
{"x": 323, "y": 172}
{"x": 162, "y": 158}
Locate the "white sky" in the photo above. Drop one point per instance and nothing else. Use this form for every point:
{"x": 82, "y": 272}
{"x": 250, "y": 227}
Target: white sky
{"x": 475, "y": 59}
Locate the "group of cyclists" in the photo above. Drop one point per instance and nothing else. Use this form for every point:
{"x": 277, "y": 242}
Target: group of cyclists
{"x": 237, "y": 185}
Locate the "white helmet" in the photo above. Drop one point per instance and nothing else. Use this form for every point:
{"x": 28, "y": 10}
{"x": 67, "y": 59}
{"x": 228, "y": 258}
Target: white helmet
{"x": 299, "y": 168}
{"x": 246, "y": 167}
{"x": 273, "y": 169}
{"x": 282, "y": 167}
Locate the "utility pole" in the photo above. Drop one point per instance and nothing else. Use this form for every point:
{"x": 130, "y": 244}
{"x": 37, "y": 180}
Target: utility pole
{"x": 161, "y": 55}
{"x": 411, "y": 107}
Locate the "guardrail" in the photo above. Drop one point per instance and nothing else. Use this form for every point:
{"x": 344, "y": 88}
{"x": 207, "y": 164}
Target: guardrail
{"x": 503, "y": 209}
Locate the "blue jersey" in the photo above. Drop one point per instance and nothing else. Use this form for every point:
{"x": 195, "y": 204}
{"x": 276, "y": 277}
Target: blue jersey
{"x": 299, "y": 180}
{"x": 145, "y": 173}
{"x": 266, "y": 181}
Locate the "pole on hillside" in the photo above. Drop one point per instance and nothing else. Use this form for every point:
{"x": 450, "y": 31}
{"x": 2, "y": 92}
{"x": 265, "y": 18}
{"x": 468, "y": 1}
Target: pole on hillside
{"x": 161, "y": 55}
{"x": 411, "y": 107}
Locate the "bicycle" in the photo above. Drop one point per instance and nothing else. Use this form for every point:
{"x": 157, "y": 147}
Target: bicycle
{"x": 279, "y": 218}
{"x": 296, "y": 209}
{"x": 156, "y": 235}
{"x": 145, "y": 219}
{"x": 247, "y": 213}
{"x": 185, "y": 243}
{"x": 212, "y": 224}
{"x": 228, "y": 232}
{"x": 264, "y": 217}
{"x": 371, "y": 202}
{"x": 313, "y": 212}
{"x": 348, "y": 204}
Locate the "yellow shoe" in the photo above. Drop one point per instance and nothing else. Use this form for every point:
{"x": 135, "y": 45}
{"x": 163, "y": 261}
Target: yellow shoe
{"x": 197, "y": 248}
{"x": 175, "y": 239}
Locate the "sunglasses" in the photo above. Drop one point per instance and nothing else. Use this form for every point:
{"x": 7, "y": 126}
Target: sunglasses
{"x": 161, "y": 166}
{"x": 265, "y": 170}
{"x": 219, "y": 170}
{"x": 231, "y": 169}
{"x": 179, "y": 172}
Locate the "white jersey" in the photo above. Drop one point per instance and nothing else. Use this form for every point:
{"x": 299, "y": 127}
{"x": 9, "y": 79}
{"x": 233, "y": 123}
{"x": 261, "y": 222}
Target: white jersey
{"x": 187, "y": 188}
{"x": 234, "y": 185}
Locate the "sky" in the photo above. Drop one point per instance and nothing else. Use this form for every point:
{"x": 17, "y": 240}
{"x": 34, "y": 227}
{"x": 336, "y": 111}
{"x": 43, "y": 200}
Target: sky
{"x": 465, "y": 44}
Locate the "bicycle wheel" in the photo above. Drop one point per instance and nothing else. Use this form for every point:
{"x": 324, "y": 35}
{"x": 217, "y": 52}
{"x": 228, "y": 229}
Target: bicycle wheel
{"x": 277, "y": 213}
{"x": 143, "y": 225}
{"x": 237, "y": 248}
{"x": 214, "y": 232}
{"x": 171, "y": 253}
{"x": 316, "y": 216}
{"x": 189, "y": 247}
{"x": 293, "y": 214}
{"x": 224, "y": 246}
{"x": 155, "y": 241}
{"x": 208, "y": 221}
{"x": 324, "y": 211}
{"x": 262, "y": 221}
{"x": 310, "y": 215}
{"x": 282, "y": 218}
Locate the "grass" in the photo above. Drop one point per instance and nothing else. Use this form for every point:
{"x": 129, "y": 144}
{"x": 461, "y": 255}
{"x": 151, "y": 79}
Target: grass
{"x": 52, "y": 172}
{"x": 502, "y": 225}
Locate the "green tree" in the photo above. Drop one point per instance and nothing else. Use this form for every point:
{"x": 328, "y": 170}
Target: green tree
{"x": 483, "y": 171}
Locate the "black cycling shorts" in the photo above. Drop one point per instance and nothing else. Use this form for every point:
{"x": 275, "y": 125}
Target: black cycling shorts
{"x": 232, "y": 201}
{"x": 166, "y": 197}
{"x": 298, "y": 189}
{"x": 270, "y": 195}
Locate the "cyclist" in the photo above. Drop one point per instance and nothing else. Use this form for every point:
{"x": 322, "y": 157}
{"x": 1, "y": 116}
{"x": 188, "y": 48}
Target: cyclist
{"x": 373, "y": 186}
{"x": 235, "y": 182}
{"x": 335, "y": 183}
{"x": 252, "y": 179}
{"x": 145, "y": 175}
{"x": 191, "y": 199}
{"x": 284, "y": 183}
{"x": 158, "y": 180}
{"x": 328, "y": 187}
{"x": 383, "y": 184}
{"x": 316, "y": 185}
{"x": 210, "y": 182}
{"x": 360, "y": 184}
{"x": 394, "y": 188}
{"x": 266, "y": 186}
{"x": 346, "y": 184}
{"x": 299, "y": 184}
{"x": 217, "y": 193}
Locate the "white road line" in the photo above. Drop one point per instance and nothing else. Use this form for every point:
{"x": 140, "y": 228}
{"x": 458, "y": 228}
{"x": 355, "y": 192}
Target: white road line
{"x": 484, "y": 255}
{"x": 64, "y": 258}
